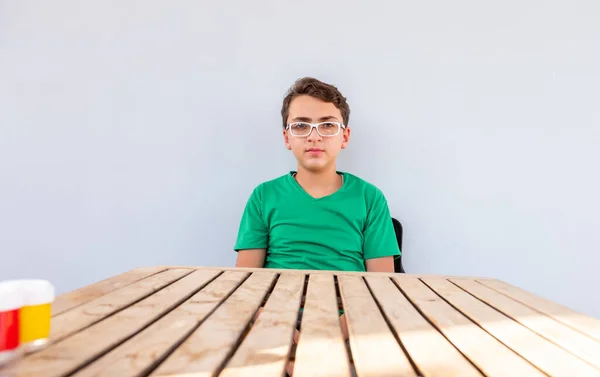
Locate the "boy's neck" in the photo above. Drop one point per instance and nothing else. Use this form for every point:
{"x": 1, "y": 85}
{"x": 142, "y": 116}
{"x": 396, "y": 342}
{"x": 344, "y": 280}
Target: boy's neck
{"x": 319, "y": 183}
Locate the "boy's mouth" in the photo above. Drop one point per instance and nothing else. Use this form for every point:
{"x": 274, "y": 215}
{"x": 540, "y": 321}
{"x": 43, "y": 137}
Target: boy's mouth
{"x": 314, "y": 151}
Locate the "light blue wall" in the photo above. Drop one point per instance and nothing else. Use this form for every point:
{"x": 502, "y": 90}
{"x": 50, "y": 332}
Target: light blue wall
{"x": 132, "y": 132}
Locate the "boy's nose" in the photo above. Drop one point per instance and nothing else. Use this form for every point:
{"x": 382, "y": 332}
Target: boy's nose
{"x": 313, "y": 135}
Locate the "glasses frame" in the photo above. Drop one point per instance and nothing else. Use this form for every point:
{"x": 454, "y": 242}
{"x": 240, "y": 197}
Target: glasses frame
{"x": 341, "y": 126}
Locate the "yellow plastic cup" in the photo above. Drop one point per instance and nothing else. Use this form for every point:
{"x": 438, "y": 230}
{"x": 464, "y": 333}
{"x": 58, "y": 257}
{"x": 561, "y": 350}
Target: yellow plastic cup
{"x": 35, "y": 314}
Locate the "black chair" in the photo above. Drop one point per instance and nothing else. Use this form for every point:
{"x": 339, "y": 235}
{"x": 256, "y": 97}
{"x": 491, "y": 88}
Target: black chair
{"x": 398, "y": 261}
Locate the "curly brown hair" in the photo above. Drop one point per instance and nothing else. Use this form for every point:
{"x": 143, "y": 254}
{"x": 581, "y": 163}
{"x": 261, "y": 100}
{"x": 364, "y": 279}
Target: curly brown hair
{"x": 317, "y": 89}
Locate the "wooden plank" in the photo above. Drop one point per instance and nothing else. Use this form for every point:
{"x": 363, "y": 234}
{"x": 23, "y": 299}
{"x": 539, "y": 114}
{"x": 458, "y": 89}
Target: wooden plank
{"x": 569, "y": 339}
{"x": 488, "y": 354}
{"x": 146, "y": 348}
{"x": 84, "y": 315}
{"x": 207, "y": 348}
{"x": 79, "y": 296}
{"x": 328, "y": 272}
{"x": 433, "y": 354}
{"x": 539, "y": 351}
{"x": 70, "y": 354}
{"x": 321, "y": 349}
{"x": 587, "y": 325}
{"x": 375, "y": 350}
{"x": 264, "y": 352}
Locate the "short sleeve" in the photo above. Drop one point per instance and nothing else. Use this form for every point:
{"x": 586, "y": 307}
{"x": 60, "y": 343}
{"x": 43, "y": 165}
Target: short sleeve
{"x": 253, "y": 232}
{"x": 379, "y": 235}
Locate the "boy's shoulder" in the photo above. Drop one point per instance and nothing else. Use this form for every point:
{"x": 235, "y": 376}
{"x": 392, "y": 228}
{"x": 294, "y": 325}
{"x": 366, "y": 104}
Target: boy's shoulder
{"x": 355, "y": 182}
{"x": 272, "y": 185}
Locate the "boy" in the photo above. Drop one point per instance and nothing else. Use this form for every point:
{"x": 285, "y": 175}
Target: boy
{"x": 317, "y": 218}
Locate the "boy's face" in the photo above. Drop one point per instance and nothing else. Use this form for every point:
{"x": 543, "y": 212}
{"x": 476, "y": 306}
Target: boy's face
{"x": 315, "y": 152}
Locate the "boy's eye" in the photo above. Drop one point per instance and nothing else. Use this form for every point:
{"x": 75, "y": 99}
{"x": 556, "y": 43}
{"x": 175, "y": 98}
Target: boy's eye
{"x": 328, "y": 125}
{"x": 300, "y": 126}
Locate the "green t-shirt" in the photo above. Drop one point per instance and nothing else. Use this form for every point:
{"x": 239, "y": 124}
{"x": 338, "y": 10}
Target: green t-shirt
{"x": 336, "y": 232}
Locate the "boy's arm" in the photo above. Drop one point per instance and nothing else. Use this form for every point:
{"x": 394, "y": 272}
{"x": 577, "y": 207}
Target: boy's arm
{"x": 252, "y": 258}
{"x": 384, "y": 264}
{"x": 253, "y": 234}
{"x": 380, "y": 245}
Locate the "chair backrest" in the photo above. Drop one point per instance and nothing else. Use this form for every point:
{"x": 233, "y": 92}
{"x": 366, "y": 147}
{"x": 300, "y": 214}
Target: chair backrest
{"x": 398, "y": 229}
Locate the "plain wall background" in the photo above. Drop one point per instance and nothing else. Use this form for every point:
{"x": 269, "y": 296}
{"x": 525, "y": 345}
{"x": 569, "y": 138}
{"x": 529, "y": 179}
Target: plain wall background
{"x": 132, "y": 132}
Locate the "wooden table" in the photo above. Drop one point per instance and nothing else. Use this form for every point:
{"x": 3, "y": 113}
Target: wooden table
{"x": 188, "y": 321}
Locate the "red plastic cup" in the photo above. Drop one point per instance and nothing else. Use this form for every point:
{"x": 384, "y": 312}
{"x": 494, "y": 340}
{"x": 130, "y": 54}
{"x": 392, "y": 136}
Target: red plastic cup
{"x": 10, "y": 303}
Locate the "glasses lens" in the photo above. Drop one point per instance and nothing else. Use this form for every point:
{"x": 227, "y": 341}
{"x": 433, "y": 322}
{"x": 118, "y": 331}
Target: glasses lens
{"x": 300, "y": 129}
{"x": 328, "y": 129}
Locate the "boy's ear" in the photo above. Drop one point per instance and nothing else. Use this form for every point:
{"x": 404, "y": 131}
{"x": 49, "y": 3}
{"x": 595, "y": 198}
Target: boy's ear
{"x": 345, "y": 137}
{"x": 286, "y": 140}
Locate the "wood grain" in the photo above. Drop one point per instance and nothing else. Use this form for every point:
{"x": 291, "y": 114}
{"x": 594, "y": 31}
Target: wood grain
{"x": 70, "y": 354}
{"x": 69, "y": 300}
{"x": 568, "y": 338}
{"x": 321, "y": 349}
{"x": 207, "y": 348}
{"x": 585, "y": 324}
{"x": 375, "y": 350}
{"x": 93, "y": 311}
{"x": 140, "y": 353}
{"x": 433, "y": 354}
{"x": 488, "y": 354}
{"x": 264, "y": 352}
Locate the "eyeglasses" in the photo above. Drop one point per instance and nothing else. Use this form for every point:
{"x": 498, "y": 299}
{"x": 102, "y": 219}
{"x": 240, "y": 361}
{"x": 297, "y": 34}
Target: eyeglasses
{"x": 324, "y": 129}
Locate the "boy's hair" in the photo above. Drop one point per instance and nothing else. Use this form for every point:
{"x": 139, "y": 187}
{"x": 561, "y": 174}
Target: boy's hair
{"x": 317, "y": 89}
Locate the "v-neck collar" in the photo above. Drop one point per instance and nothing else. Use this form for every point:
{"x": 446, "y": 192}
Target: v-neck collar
{"x": 299, "y": 187}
